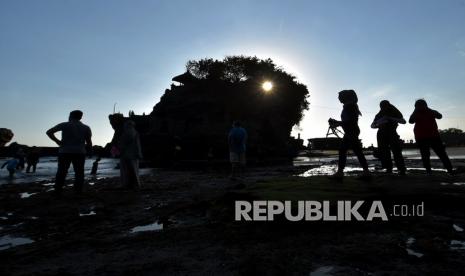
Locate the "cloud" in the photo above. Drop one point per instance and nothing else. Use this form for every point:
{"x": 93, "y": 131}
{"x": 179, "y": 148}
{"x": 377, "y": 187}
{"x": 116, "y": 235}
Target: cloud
{"x": 382, "y": 91}
{"x": 461, "y": 53}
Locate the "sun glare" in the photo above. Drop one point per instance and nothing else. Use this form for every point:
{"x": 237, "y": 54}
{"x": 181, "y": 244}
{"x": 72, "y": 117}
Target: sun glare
{"x": 267, "y": 86}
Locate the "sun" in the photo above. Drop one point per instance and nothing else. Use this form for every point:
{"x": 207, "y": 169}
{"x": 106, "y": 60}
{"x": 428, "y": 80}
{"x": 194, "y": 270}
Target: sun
{"x": 267, "y": 86}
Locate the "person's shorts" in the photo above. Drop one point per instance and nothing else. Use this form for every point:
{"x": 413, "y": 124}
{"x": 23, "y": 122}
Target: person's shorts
{"x": 235, "y": 157}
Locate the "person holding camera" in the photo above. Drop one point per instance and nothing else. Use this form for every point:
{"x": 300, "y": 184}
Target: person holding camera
{"x": 349, "y": 123}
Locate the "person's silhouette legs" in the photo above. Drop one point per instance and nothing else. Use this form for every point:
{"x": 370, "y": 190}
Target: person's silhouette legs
{"x": 440, "y": 150}
{"x": 424, "y": 146}
{"x": 342, "y": 156}
{"x": 78, "y": 161}
{"x": 63, "y": 165}
{"x": 358, "y": 151}
{"x": 356, "y": 146}
{"x": 384, "y": 152}
{"x": 397, "y": 152}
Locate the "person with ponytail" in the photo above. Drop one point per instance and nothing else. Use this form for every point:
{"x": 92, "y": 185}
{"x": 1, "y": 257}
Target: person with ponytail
{"x": 349, "y": 123}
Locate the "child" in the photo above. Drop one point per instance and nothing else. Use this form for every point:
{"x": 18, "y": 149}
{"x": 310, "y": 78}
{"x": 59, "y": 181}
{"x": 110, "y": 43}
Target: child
{"x": 95, "y": 166}
{"x": 11, "y": 166}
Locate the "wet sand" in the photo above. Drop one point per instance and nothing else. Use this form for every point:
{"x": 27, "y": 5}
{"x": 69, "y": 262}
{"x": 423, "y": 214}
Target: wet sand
{"x": 182, "y": 222}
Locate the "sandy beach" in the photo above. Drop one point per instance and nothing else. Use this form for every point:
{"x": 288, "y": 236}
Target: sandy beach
{"x": 182, "y": 222}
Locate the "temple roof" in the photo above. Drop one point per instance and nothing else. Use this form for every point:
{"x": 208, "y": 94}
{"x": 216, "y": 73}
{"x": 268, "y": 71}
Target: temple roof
{"x": 185, "y": 78}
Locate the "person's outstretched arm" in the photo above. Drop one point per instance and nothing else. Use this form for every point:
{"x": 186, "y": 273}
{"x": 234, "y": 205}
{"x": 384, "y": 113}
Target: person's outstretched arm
{"x": 436, "y": 114}
{"x": 397, "y": 120}
{"x": 51, "y": 134}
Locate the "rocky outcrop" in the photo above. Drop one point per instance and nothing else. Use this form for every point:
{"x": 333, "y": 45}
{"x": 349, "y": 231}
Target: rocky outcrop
{"x": 192, "y": 119}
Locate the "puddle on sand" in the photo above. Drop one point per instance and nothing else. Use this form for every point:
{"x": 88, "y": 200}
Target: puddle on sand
{"x": 413, "y": 253}
{"x": 151, "y": 227}
{"x": 457, "y": 245}
{"x": 91, "y": 213}
{"x": 409, "y": 243}
{"x": 452, "y": 183}
{"x": 26, "y": 194}
{"x": 328, "y": 170}
{"x": 322, "y": 271}
{"x": 17, "y": 224}
{"x": 457, "y": 228}
{"x": 9, "y": 242}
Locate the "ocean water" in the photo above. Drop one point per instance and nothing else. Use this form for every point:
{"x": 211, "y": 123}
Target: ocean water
{"x": 412, "y": 155}
{"x": 47, "y": 167}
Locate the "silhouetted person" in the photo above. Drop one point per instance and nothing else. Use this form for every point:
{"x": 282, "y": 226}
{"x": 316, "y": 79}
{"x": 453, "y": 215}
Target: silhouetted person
{"x": 237, "y": 140}
{"x": 21, "y": 156}
{"x": 95, "y": 166}
{"x": 130, "y": 153}
{"x": 11, "y": 166}
{"x": 75, "y": 136}
{"x": 427, "y": 134}
{"x": 32, "y": 159}
{"x": 386, "y": 121}
{"x": 349, "y": 123}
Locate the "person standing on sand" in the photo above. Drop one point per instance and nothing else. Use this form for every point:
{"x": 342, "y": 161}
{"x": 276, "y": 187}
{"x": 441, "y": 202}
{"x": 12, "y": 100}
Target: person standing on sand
{"x": 94, "y": 169}
{"x": 386, "y": 121}
{"x": 130, "y": 152}
{"x": 75, "y": 137}
{"x": 427, "y": 135}
{"x": 32, "y": 159}
{"x": 237, "y": 140}
{"x": 349, "y": 123}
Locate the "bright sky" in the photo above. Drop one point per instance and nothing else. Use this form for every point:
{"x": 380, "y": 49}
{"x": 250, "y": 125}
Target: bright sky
{"x": 56, "y": 56}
